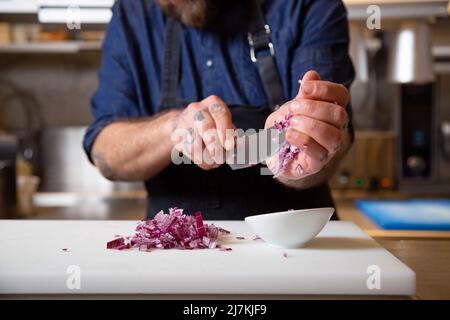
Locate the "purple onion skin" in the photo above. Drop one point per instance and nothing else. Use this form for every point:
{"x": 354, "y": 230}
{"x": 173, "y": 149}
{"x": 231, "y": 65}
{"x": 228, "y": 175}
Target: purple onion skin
{"x": 287, "y": 152}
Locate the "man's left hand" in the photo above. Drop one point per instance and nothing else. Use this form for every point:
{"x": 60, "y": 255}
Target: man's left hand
{"x": 316, "y": 127}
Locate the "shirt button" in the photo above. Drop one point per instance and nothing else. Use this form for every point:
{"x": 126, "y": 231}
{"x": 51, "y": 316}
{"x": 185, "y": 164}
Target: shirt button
{"x": 209, "y": 63}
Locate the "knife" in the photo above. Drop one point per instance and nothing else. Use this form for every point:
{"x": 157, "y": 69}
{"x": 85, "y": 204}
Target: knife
{"x": 253, "y": 148}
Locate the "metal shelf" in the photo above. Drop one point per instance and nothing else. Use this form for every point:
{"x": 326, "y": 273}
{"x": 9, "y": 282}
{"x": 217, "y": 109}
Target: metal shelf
{"x": 52, "y": 47}
{"x": 357, "y": 9}
{"x": 18, "y": 7}
{"x": 398, "y": 9}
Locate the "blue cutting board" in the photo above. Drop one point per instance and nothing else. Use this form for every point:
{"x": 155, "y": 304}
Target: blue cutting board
{"x": 408, "y": 215}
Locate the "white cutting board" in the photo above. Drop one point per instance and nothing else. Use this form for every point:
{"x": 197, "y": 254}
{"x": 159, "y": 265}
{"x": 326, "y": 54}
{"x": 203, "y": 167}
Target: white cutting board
{"x": 336, "y": 262}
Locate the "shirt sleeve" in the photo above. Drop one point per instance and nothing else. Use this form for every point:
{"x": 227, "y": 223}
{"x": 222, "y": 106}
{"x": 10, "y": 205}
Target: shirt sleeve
{"x": 322, "y": 45}
{"x": 115, "y": 97}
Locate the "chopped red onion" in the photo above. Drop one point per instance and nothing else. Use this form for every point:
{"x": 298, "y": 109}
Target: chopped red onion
{"x": 283, "y": 125}
{"x": 114, "y": 244}
{"x": 287, "y": 152}
{"x": 200, "y": 227}
{"x": 172, "y": 230}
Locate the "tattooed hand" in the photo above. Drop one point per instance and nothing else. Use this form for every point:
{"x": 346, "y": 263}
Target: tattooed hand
{"x": 204, "y": 131}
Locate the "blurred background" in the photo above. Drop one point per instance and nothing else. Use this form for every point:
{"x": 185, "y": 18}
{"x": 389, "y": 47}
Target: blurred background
{"x": 401, "y": 103}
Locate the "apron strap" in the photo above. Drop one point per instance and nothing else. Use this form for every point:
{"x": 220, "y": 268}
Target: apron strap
{"x": 259, "y": 39}
{"x": 171, "y": 64}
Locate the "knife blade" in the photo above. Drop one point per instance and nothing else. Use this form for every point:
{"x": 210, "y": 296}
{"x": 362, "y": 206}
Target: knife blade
{"x": 253, "y": 148}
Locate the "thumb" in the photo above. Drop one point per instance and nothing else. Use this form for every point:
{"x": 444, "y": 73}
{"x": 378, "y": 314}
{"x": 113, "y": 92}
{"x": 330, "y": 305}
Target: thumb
{"x": 308, "y": 76}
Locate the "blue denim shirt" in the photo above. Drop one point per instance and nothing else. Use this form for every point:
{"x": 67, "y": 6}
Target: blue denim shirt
{"x": 306, "y": 34}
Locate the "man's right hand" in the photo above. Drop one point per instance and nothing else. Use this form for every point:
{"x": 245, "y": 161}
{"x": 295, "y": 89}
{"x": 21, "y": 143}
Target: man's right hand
{"x": 204, "y": 131}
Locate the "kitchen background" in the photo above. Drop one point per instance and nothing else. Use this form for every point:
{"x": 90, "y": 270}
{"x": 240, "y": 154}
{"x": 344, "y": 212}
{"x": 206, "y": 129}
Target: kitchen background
{"x": 48, "y": 72}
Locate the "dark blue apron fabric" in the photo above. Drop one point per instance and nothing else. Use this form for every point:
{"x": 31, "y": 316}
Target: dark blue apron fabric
{"x": 222, "y": 194}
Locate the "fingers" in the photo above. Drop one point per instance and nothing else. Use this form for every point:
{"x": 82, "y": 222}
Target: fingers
{"x": 326, "y": 135}
{"x": 303, "y": 166}
{"x": 311, "y": 159}
{"x": 194, "y": 149}
{"x": 308, "y": 76}
{"x": 316, "y": 126}
{"x": 315, "y": 89}
{"x": 311, "y": 75}
{"x": 188, "y": 140}
{"x": 222, "y": 118}
{"x": 324, "y": 91}
{"x": 327, "y": 112}
{"x": 206, "y": 128}
{"x": 201, "y": 132}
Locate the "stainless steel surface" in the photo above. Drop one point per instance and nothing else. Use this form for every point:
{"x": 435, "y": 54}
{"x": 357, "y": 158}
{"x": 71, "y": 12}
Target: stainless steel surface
{"x": 18, "y": 6}
{"x": 65, "y": 167}
{"x": 410, "y": 56}
{"x": 359, "y": 53}
{"x": 255, "y": 147}
{"x": 365, "y": 87}
{"x": 441, "y": 51}
{"x": 399, "y": 10}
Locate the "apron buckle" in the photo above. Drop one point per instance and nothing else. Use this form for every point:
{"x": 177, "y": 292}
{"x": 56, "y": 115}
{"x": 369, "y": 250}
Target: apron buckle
{"x": 266, "y": 35}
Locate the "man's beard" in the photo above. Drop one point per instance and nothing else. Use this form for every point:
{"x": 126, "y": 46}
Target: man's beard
{"x": 192, "y": 13}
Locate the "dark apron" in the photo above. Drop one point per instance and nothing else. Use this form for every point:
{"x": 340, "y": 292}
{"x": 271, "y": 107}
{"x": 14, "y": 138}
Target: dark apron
{"x": 224, "y": 194}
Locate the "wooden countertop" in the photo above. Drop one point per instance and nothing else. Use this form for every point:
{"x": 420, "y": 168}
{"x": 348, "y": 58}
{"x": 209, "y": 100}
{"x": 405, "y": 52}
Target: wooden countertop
{"x": 426, "y": 252}
{"x": 430, "y": 259}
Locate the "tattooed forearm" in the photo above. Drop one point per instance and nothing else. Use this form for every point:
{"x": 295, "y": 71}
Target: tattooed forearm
{"x": 135, "y": 149}
{"x": 103, "y": 166}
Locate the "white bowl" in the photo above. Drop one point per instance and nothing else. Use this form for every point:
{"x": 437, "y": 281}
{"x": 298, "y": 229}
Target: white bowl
{"x": 290, "y": 229}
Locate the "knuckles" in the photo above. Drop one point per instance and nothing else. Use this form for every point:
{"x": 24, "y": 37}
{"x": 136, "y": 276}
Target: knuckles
{"x": 213, "y": 99}
{"x": 314, "y": 167}
{"x": 346, "y": 94}
{"x": 323, "y": 89}
{"x": 312, "y": 124}
{"x": 193, "y": 105}
{"x": 336, "y": 140}
{"x": 340, "y": 116}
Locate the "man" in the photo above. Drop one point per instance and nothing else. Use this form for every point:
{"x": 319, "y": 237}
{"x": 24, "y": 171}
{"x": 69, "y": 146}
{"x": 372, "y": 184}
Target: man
{"x": 204, "y": 67}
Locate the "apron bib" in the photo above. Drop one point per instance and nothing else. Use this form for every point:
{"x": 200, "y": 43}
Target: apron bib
{"x": 224, "y": 194}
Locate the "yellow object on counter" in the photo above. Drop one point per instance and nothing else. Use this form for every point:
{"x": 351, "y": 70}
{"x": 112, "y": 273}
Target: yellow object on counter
{"x": 23, "y": 167}
{"x": 5, "y": 33}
